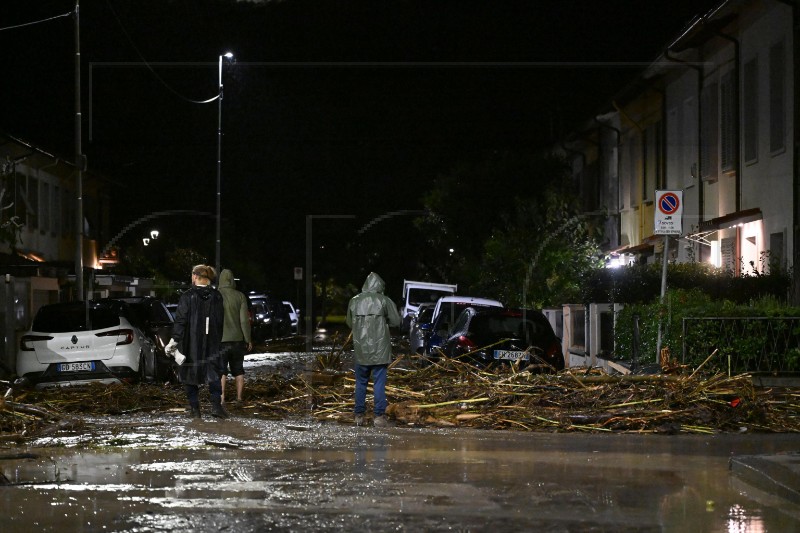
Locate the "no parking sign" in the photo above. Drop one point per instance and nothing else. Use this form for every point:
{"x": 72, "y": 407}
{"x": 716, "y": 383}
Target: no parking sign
{"x": 669, "y": 213}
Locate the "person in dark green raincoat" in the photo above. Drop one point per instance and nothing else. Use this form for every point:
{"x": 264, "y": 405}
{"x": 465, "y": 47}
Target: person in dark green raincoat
{"x": 370, "y": 314}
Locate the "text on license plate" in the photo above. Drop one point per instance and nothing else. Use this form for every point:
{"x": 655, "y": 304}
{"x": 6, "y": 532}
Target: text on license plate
{"x": 76, "y": 367}
{"x": 511, "y": 354}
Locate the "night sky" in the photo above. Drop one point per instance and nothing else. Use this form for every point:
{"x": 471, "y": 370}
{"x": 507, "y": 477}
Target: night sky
{"x": 329, "y": 108}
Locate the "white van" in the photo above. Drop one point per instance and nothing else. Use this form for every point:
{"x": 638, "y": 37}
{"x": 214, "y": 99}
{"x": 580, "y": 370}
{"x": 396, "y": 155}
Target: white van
{"x": 416, "y": 293}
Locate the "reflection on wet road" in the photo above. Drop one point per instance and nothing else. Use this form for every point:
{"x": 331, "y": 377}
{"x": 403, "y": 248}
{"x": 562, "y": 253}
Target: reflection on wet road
{"x": 171, "y": 474}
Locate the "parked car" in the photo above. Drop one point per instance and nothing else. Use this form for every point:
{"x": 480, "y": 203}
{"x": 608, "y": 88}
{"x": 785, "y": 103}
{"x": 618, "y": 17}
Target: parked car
{"x": 490, "y": 336}
{"x": 172, "y": 308}
{"x": 416, "y": 334}
{"x": 270, "y": 319}
{"x": 80, "y": 342}
{"x": 154, "y": 318}
{"x": 294, "y": 315}
{"x": 445, "y": 313}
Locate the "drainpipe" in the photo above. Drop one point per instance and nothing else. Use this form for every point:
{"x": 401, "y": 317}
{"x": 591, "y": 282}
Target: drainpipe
{"x": 736, "y": 121}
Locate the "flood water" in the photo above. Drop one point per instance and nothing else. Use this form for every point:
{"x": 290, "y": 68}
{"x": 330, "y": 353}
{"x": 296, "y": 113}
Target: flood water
{"x": 169, "y": 473}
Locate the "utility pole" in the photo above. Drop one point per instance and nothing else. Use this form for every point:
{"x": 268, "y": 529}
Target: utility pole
{"x": 79, "y": 161}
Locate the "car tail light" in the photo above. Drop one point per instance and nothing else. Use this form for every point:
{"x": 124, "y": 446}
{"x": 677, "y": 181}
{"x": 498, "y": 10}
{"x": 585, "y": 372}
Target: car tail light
{"x": 553, "y": 350}
{"x": 465, "y": 343}
{"x": 125, "y": 336}
{"x": 26, "y": 342}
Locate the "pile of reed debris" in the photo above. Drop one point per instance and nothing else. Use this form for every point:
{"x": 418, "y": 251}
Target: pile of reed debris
{"x": 450, "y": 393}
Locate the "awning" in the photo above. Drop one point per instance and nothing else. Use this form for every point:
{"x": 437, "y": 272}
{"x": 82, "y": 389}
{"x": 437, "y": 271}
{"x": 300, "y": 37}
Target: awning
{"x": 733, "y": 219}
{"x": 709, "y": 227}
{"x": 634, "y": 249}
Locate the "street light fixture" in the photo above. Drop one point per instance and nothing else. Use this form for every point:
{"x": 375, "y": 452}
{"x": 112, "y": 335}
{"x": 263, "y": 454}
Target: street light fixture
{"x": 227, "y": 55}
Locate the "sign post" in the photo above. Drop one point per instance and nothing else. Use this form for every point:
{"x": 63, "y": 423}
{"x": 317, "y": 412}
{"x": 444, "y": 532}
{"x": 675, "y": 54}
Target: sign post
{"x": 668, "y": 221}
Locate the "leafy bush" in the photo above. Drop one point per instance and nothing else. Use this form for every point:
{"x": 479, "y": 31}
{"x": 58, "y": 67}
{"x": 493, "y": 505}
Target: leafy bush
{"x": 751, "y": 345}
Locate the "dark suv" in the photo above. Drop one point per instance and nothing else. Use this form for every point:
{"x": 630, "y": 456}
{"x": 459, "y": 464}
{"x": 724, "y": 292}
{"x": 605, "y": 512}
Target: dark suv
{"x": 270, "y": 319}
{"x": 491, "y": 336}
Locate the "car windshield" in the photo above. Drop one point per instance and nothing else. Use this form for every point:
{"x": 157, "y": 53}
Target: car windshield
{"x": 423, "y": 296}
{"x": 62, "y": 318}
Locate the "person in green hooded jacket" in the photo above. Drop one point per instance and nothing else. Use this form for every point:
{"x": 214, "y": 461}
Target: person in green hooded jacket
{"x": 236, "y": 340}
{"x": 370, "y": 314}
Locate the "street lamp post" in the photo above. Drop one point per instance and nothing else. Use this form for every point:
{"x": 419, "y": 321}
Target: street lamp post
{"x": 228, "y": 55}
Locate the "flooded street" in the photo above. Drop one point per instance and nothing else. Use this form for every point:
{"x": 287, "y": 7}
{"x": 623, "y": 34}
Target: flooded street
{"x": 169, "y": 473}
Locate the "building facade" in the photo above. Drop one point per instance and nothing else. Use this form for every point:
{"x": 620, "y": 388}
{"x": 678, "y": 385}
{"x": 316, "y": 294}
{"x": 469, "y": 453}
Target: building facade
{"x": 714, "y": 116}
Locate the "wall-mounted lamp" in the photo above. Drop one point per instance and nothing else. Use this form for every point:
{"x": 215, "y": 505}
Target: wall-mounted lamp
{"x": 154, "y": 234}
{"x": 146, "y": 241}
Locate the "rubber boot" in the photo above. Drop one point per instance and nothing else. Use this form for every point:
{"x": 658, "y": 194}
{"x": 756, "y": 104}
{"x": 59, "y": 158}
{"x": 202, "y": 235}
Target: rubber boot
{"x": 218, "y": 411}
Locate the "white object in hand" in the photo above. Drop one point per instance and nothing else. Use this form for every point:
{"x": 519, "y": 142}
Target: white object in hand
{"x": 179, "y": 357}
{"x": 171, "y": 347}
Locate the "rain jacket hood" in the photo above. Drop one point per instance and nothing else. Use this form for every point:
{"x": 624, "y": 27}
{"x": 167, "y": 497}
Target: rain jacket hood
{"x": 373, "y": 283}
{"x": 369, "y": 315}
{"x": 236, "y": 326}
{"x": 226, "y": 280}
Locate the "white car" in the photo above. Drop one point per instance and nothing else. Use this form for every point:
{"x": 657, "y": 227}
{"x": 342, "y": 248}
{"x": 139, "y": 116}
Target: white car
{"x": 75, "y": 343}
{"x": 293, "y": 313}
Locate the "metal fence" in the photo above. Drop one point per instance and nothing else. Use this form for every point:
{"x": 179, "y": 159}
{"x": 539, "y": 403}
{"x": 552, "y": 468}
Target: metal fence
{"x": 743, "y": 344}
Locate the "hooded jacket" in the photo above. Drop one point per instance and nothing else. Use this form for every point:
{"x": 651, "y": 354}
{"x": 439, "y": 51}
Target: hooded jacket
{"x": 236, "y": 327}
{"x": 370, "y": 314}
{"x": 198, "y": 332}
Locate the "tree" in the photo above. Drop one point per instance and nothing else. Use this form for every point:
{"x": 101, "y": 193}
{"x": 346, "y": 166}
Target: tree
{"x": 541, "y": 257}
{"x": 515, "y": 232}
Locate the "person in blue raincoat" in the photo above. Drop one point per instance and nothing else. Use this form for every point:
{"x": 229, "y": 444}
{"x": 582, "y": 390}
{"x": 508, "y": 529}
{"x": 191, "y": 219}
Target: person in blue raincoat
{"x": 197, "y": 334}
{"x": 370, "y": 314}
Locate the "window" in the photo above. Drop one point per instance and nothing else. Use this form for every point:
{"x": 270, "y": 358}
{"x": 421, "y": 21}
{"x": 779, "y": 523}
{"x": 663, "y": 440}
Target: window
{"x": 777, "y": 252}
{"x": 56, "y": 209}
{"x": 750, "y": 111}
{"x": 629, "y": 175}
{"x": 689, "y": 141}
{"x": 777, "y": 103}
{"x": 67, "y": 214}
{"x": 32, "y": 197}
{"x": 45, "y": 218}
{"x": 727, "y": 91}
{"x": 710, "y": 129}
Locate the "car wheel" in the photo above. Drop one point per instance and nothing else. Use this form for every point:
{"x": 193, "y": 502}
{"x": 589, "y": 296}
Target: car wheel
{"x": 142, "y": 368}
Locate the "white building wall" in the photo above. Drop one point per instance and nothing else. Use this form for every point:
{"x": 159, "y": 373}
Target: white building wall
{"x": 767, "y": 180}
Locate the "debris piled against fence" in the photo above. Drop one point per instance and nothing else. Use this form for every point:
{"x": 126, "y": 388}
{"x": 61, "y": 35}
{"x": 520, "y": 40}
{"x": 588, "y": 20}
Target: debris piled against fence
{"x": 450, "y": 393}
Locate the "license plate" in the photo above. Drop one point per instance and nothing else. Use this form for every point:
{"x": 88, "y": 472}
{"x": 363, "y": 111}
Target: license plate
{"x": 511, "y": 355}
{"x": 76, "y": 367}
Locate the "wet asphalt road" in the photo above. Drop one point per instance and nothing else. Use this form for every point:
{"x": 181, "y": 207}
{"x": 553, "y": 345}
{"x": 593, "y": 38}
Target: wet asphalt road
{"x": 251, "y": 475}
{"x": 169, "y": 473}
